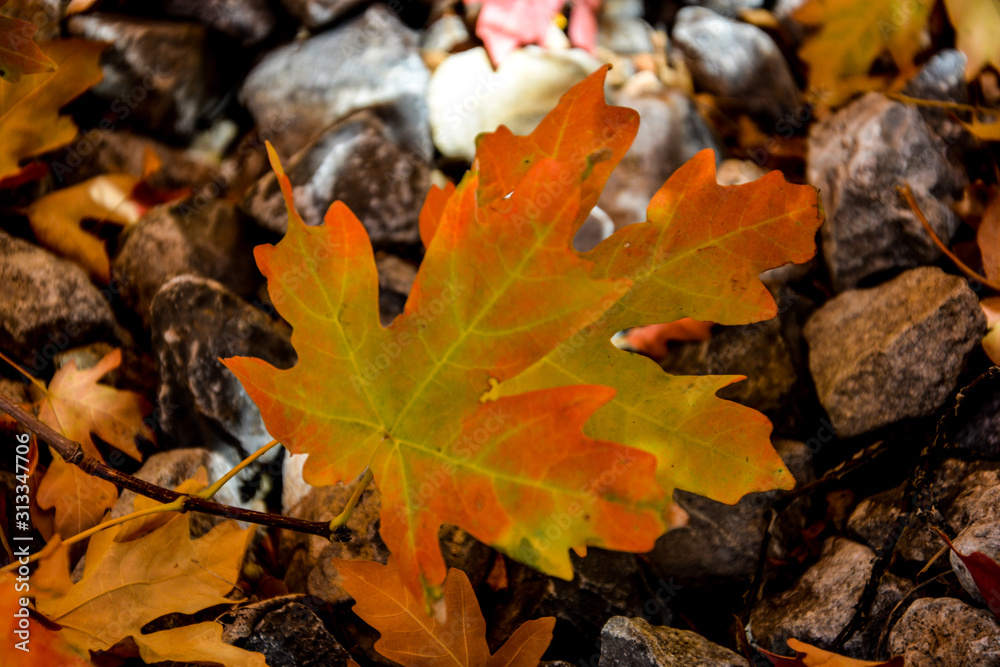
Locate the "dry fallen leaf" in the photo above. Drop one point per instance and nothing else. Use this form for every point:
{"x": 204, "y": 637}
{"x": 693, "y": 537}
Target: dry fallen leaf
{"x": 56, "y": 217}
{"x": 42, "y": 647}
{"x": 30, "y": 123}
{"x": 454, "y": 637}
{"x": 19, "y": 55}
{"x": 79, "y": 500}
{"x": 126, "y": 585}
{"x": 977, "y": 26}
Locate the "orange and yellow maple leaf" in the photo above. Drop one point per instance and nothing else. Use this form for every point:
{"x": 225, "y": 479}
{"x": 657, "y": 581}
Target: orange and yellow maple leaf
{"x": 470, "y": 408}
{"x": 810, "y": 656}
{"x": 19, "y": 55}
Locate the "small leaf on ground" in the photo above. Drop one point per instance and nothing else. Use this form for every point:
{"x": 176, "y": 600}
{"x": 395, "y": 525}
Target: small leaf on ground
{"x": 810, "y": 656}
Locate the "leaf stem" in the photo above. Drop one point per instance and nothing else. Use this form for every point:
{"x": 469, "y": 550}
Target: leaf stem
{"x": 72, "y": 452}
{"x": 907, "y": 194}
{"x": 221, "y": 482}
{"x": 352, "y": 502}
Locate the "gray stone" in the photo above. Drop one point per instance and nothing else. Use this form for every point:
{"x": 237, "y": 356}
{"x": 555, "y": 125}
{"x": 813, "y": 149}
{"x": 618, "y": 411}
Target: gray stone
{"x": 176, "y": 239}
{"x": 820, "y": 604}
{"x": 942, "y": 79}
{"x": 944, "y": 631}
{"x": 297, "y": 91}
{"x": 671, "y": 132}
{"x": 894, "y": 351}
{"x": 249, "y": 21}
{"x": 381, "y": 177}
{"x": 721, "y": 543}
{"x": 286, "y": 631}
{"x": 317, "y": 13}
{"x": 47, "y": 305}
{"x": 738, "y": 63}
{"x": 978, "y": 500}
{"x": 982, "y": 536}
{"x": 194, "y": 323}
{"x": 727, "y": 8}
{"x": 623, "y": 35}
{"x": 858, "y": 158}
{"x": 156, "y": 73}
{"x": 632, "y": 642}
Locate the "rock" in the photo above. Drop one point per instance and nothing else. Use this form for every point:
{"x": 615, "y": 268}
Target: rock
{"x": 309, "y": 558}
{"x": 858, "y": 158}
{"x": 45, "y": 14}
{"x": 297, "y": 91}
{"x": 946, "y": 631}
{"x": 168, "y": 469}
{"x": 978, "y": 422}
{"x": 155, "y": 73}
{"x": 632, "y": 642}
{"x": 120, "y": 151}
{"x": 820, "y": 604}
{"x": 47, "y": 305}
{"x": 757, "y": 351}
{"x": 721, "y": 543}
{"x": 978, "y": 500}
{"x": 445, "y": 34}
{"x": 194, "y": 323}
{"x": 942, "y": 79}
{"x": 984, "y": 537}
{"x": 209, "y": 240}
{"x": 249, "y": 21}
{"x": 286, "y": 631}
{"x": 894, "y": 351}
{"x": 621, "y": 28}
{"x": 737, "y": 62}
{"x": 466, "y": 97}
{"x": 317, "y": 13}
{"x": 359, "y": 161}
{"x": 728, "y": 8}
{"x": 864, "y": 644}
{"x": 671, "y": 132}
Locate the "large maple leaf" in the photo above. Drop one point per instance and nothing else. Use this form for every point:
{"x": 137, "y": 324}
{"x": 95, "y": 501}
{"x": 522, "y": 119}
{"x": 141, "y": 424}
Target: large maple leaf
{"x": 470, "y": 407}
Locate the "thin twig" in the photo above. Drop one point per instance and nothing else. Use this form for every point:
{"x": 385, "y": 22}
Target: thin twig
{"x": 72, "y": 452}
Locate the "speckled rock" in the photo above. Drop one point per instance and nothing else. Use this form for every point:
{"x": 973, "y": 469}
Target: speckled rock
{"x": 894, "y": 351}
{"x": 195, "y": 322}
{"x": 632, "y": 642}
{"x": 297, "y": 91}
{"x": 737, "y": 62}
{"x": 857, "y": 158}
{"x": 381, "y": 177}
{"x": 944, "y": 631}
{"x": 47, "y": 304}
{"x": 156, "y": 73}
{"x": 671, "y": 131}
{"x": 821, "y": 602}
{"x": 316, "y": 13}
{"x": 286, "y": 631}
{"x": 942, "y": 78}
{"x": 209, "y": 240}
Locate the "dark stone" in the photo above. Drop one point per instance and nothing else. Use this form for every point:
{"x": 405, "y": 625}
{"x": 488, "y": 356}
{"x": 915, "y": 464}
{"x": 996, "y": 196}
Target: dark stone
{"x": 820, "y": 604}
{"x": 195, "y": 322}
{"x": 297, "y": 91}
{"x": 317, "y": 13}
{"x": 249, "y": 21}
{"x": 361, "y": 162}
{"x": 395, "y": 279}
{"x": 287, "y": 632}
{"x": 176, "y": 239}
{"x": 864, "y": 644}
{"x": 756, "y": 350}
{"x": 671, "y": 131}
{"x": 946, "y": 631}
{"x": 979, "y": 422}
{"x": 882, "y": 354}
{"x": 942, "y": 79}
{"x": 632, "y": 642}
{"x": 156, "y": 73}
{"x": 737, "y": 62}
{"x": 858, "y": 158}
{"x": 47, "y": 305}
